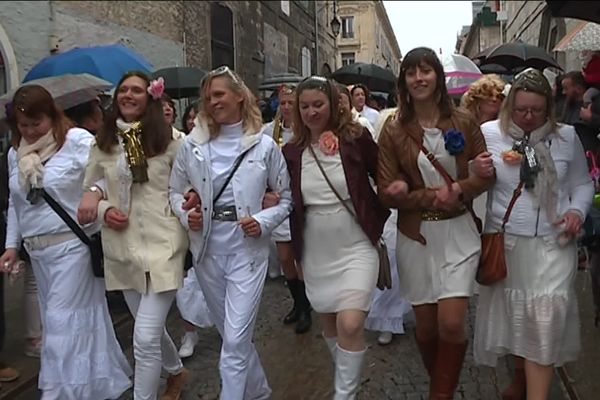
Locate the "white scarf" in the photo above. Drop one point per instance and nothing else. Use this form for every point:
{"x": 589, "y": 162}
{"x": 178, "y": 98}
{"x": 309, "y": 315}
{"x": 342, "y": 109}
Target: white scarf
{"x": 31, "y": 159}
{"x": 124, "y": 176}
{"x": 545, "y": 190}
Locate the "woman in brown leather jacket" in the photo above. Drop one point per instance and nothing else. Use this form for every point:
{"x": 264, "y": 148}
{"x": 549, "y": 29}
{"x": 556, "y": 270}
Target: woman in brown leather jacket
{"x": 438, "y": 243}
{"x": 335, "y": 226}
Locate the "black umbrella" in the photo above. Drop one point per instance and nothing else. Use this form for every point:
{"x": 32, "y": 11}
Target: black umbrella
{"x": 518, "y": 54}
{"x": 372, "y": 76}
{"x": 586, "y": 10}
{"x": 181, "y": 82}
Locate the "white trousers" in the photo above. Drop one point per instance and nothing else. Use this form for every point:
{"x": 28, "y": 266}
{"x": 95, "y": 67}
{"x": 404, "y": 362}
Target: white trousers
{"x": 33, "y": 319}
{"x": 232, "y": 286}
{"x": 152, "y": 345}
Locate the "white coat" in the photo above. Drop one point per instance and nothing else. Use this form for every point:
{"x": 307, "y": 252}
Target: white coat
{"x": 263, "y": 167}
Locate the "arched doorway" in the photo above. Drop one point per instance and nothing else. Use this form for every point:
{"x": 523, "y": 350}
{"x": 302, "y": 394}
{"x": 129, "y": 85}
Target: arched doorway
{"x": 9, "y": 73}
{"x": 326, "y": 70}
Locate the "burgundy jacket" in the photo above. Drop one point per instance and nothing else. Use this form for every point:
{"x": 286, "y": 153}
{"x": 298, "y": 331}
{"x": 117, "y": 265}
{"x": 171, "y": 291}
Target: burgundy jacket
{"x": 359, "y": 160}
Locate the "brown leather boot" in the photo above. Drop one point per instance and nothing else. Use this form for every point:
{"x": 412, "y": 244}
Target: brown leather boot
{"x": 175, "y": 385}
{"x": 518, "y": 387}
{"x": 448, "y": 364}
{"x": 428, "y": 350}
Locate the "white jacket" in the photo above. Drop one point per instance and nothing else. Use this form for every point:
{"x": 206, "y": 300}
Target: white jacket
{"x": 575, "y": 186}
{"x": 263, "y": 167}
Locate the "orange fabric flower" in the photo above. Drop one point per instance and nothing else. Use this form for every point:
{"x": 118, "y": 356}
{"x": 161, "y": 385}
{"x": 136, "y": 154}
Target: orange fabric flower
{"x": 511, "y": 157}
{"x": 329, "y": 144}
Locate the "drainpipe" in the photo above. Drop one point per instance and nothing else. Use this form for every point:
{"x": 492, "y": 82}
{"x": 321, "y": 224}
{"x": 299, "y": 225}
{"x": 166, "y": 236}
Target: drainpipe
{"x": 316, "y": 41}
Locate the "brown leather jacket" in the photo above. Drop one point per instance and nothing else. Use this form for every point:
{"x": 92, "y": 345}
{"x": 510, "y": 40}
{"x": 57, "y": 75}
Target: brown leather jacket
{"x": 359, "y": 160}
{"x": 398, "y": 154}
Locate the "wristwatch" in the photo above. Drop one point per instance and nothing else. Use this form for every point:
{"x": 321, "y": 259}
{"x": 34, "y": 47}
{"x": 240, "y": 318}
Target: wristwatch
{"x": 95, "y": 189}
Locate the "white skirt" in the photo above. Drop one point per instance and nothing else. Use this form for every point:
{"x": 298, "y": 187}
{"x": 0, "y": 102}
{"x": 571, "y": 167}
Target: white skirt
{"x": 533, "y": 312}
{"x": 443, "y": 268}
{"x": 389, "y": 310}
{"x": 81, "y": 358}
{"x": 191, "y": 303}
{"x": 340, "y": 263}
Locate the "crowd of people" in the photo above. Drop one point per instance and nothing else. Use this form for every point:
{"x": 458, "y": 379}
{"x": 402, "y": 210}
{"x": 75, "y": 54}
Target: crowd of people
{"x": 191, "y": 217}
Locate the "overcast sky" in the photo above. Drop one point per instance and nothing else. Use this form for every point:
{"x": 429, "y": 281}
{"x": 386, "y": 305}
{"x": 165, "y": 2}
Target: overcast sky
{"x": 433, "y": 24}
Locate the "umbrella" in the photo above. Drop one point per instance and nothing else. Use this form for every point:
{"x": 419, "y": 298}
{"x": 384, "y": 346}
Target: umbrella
{"x": 106, "y": 62}
{"x": 181, "y": 82}
{"x": 518, "y": 54}
{"x": 460, "y": 73}
{"x": 67, "y": 90}
{"x": 584, "y": 37}
{"x": 372, "y": 76}
{"x": 586, "y": 10}
{"x": 273, "y": 82}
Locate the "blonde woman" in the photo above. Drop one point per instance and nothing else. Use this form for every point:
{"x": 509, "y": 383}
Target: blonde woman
{"x": 230, "y": 163}
{"x": 484, "y": 98}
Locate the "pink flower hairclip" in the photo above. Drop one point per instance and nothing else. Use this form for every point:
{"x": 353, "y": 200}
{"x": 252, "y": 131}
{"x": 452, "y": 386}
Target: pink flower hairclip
{"x": 156, "y": 88}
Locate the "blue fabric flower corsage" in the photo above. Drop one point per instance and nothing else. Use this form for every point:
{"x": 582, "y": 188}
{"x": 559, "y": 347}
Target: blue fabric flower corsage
{"x": 454, "y": 142}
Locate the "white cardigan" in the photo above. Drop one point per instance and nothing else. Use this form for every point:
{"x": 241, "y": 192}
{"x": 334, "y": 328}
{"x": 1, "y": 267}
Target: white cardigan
{"x": 576, "y": 189}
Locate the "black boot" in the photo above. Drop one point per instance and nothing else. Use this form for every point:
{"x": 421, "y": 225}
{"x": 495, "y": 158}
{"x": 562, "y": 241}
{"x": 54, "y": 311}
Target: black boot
{"x": 293, "y": 315}
{"x": 304, "y": 318}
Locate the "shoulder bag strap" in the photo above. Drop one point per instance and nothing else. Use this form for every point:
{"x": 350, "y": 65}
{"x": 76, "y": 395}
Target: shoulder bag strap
{"x": 74, "y": 226}
{"x": 235, "y": 167}
{"x": 511, "y": 204}
{"x": 312, "y": 152}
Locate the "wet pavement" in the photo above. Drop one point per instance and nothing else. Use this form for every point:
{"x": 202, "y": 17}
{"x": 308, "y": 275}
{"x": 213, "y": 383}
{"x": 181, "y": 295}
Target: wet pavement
{"x": 300, "y": 367}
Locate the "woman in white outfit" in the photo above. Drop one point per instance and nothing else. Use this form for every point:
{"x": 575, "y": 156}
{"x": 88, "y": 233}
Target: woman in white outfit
{"x": 280, "y": 129}
{"x": 360, "y": 94}
{"x": 144, "y": 243}
{"x": 80, "y": 357}
{"x": 230, "y": 164}
{"x": 532, "y": 314}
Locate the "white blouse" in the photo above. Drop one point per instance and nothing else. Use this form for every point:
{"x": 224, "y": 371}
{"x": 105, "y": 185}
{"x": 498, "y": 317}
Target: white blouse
{"x": 576, "y": 189}
{"x": 63, "y": 180}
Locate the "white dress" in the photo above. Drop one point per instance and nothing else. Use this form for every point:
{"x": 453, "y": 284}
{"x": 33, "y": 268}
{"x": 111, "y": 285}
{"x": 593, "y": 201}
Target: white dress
{"x": 81, "y": 358}
{"x": 389, "y": 310}
{"x": 340, "y": 263}
{"x": 446, "y": 266}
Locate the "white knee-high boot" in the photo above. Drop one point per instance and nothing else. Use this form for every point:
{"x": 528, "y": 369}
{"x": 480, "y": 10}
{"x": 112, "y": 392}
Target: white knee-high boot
{"x": 331, "y": 345}
{"x": 348, "y": 366}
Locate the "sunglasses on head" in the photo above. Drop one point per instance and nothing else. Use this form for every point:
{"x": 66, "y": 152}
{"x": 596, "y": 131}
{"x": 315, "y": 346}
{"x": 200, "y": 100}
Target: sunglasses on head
{"x": 222, "y": 70}
{"x": 315, "y": 81}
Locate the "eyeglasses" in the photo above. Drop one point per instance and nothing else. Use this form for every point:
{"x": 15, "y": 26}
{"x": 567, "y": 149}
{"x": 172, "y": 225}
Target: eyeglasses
{"x": 535, "y": 112}
{"x": 222, "y": 70}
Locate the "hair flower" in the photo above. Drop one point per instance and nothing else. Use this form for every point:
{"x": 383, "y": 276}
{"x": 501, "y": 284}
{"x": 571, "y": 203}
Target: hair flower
{"x": 156, "y": 88}
{"x": 454, "y": 142}
{"x": 329, "y": 143}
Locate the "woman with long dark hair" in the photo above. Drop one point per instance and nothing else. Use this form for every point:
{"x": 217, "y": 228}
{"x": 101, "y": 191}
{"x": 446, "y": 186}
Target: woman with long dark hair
{"x": 144, "y": 243}
{"x": 423, "y": 172}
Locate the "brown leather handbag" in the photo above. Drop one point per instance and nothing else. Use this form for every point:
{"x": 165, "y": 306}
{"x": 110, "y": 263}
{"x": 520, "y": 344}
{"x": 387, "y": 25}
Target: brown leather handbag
{"x": 492, "y": 264}
{"x": 384, "y": 279}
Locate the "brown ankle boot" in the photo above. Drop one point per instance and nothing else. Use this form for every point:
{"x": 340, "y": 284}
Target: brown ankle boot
{"x": 448, "y": 364}
{"x": 428, "y": 350}
{"x": 518, "y": 387}
{"x": 175, "y": 385}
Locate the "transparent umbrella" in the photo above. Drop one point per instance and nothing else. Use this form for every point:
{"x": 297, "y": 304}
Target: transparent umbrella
{"x": 460, "y": 73}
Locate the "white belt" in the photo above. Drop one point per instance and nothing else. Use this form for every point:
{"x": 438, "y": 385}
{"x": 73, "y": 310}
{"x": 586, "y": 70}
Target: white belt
{"x": 43, "y": 241}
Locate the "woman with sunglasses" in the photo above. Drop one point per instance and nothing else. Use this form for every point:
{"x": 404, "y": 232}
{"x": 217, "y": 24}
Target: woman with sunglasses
{"x": 438, "y": 244}
{"x": 532, "y": 313}
{"x": 144, "y": 243}
{"x": 336, "y": 222}
{"x": 230, "y": 163}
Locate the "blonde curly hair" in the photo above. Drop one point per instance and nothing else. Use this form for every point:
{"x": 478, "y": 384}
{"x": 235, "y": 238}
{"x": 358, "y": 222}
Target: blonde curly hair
{"x": 488, "y": 87}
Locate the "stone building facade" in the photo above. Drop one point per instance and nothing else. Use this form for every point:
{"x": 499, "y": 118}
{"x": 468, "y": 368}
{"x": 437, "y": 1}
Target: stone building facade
{"x": 367, "y": 35}
{"x": 256, "y": 38}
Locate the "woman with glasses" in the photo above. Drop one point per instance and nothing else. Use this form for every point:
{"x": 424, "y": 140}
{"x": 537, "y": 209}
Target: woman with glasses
{"x": 230, "y": 164}
{"x": 532, "y": 313}
{"x": 336, "y": 223}
{"x": 424, "y": 153}
{"x": 144, "y": 243}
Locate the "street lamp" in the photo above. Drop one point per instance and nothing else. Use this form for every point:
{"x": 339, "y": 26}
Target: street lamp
{"x": 335, "y": 23}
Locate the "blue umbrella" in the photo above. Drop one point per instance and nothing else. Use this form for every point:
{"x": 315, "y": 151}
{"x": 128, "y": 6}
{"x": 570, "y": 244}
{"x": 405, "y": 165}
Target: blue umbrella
{"x": 107, "y": 62}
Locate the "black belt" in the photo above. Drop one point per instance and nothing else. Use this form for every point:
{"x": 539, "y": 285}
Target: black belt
{"x": 224, "y": 213}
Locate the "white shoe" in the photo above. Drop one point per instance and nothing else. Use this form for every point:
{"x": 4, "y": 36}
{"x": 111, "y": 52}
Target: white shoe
{"x": 384, "y": 338}
{"x": 189, "y": 341}
{"x": 331, "y": 345}
{"x": 348, "y": 367}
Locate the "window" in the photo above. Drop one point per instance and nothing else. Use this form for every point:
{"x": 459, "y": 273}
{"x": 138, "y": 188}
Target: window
{"x": 221, "y": 29}
{"x": 306, "y": 63}
{"x": 285, "y": 7}
{"x": 347, "y": 27}
{"x": 347, "y": 59}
